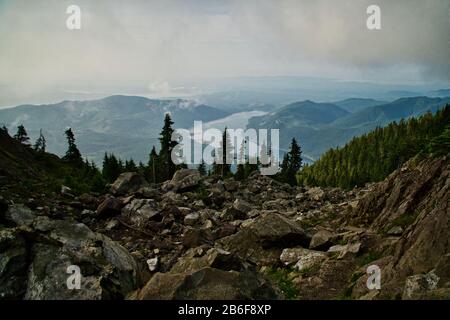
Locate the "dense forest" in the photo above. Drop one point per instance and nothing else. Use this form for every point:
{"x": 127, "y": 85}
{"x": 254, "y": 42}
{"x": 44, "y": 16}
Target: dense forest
{"x": 373, "y": 156}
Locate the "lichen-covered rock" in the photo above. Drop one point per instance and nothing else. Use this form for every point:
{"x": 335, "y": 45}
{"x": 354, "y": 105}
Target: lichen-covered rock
{"x": 140, "y": 211}
{"x": 302, "y": 259}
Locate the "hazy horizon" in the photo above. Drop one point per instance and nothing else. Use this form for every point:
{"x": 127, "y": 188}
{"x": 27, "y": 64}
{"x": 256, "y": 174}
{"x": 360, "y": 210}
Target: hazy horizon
{"x": 188, "y": 48}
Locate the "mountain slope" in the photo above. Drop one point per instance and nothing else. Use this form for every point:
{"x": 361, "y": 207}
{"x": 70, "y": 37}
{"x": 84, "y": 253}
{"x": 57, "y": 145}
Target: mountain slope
{"x": 125, "y": 125}
{"x": 372, "y": 157}
{"x": 316, "y": 137}
{"x": 399, "y": 109}
{"x": 357, "y": 104}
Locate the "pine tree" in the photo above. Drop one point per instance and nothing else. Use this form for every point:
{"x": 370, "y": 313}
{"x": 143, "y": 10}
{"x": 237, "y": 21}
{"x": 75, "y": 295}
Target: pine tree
{"x": 167, "y": 167}
{"x": 240, "y": 171}
{"x": 202, "y": 168}
{"x": 40, "y": 143}
{"x": 225, "y": 155}
{"x": 73, "y": 155}
{"x": 130, "y": 166}
{"x": 22, "y": 135}
{"x": 264, "y": 156}
{"x": 292, "y": 162}
{"x": 112, "y": 168}
{"x": 151, "y": 174}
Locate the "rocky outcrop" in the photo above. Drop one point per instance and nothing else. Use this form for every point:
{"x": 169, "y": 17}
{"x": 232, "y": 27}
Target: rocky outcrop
{"x": 37, "y": 252}
{"x": 415, "y": 198}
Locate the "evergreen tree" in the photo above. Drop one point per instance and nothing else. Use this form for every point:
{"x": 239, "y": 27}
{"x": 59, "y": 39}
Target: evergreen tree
{"x": 112, "y": 168}
{"x": 373, "y": 156}
{"x": 152, "y": 166}
{"x": 292, "y": 162}
{"x": 225, "y": 155}
{"x": 22, "y": 135}
{"x": 240, "y": 171}
{"x": 73, "y": 155}
{"x": 167, "y": 167}
{"x": 40, "y": 143}
{"x": 202, "y": 168}
{"x": 130, "y": 166}
{"x": 264, "y": 155}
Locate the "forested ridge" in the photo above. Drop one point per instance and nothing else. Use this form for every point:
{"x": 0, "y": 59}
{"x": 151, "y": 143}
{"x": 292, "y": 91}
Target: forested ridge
{"x": 373, "y": 156}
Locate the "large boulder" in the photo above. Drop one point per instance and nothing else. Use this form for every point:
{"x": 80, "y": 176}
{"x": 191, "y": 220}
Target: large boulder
{"x": 418, "y": 285}
{"x": 262, "y": 241}
{"x": 140, "y": 211}
{"x": 302, "y": 259}
{"x": 214, "y": 258}
{"x": 37, "y": 254}
{"x": 109, "y": 207}
{"x": 108, "y": 270}
{"x": 13, "y": 264}
{"x": 207, "y": 284}
{"x": 19, "y": 215}
{"x": 215, "y": 274}
{"x": 184, "y": 179}
{"x": 321, "y": 240}
{"x": 127, "y": 183}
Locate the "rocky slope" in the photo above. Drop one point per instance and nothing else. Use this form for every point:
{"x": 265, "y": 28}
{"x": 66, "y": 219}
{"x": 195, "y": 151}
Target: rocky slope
{"x": 207, "y": 238}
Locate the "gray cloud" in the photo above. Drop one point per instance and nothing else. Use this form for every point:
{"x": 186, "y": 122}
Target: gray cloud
{"x": 143, "y": 42}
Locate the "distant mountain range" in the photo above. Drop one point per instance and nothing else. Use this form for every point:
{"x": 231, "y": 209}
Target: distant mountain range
{"x": 125, "y": 125}
{"x": 357, "y": 104}
{"x": 129, "y": 125}
{"x": 320, "y": 126}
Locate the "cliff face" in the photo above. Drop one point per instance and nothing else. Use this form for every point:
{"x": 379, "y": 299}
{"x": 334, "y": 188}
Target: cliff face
{"x": 412, "y": 202}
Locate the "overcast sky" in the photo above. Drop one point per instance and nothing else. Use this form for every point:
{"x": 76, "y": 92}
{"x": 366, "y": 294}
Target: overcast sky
{"x": 153, "y": 44}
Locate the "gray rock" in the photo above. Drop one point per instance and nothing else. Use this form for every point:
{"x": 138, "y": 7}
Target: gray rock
{"x": 417, "y": 285}
{"x": 343, "y": 250}
{"x": 13, "y": 264}
{"x": 301, "y": 258}
{"x": 20, "y": 215}
{"x": 140, "y": 211}
{"x": 321, "y": 240}
{"x": 191, "y": 219}
{"x": 184, "y": 179}
{"x": 242, "y": 206}
{"x": 109, "y": 207}
{"x": 261, "y": 242}
{"x": 316, "y": 194}
{"x": 395, "y": 231}
{"x": 153, "y": 264}
{"x": 207, "y": 284}
{"x": 36, "y": 266}
{"x": 127, "y": 183}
